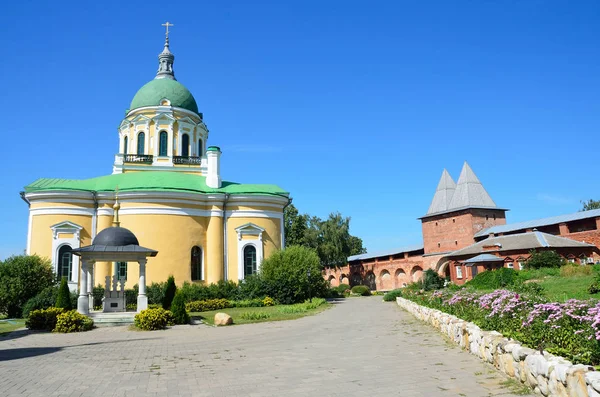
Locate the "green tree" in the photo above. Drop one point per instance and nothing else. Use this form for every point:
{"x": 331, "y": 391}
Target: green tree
{"x": 590, "y": 205}
{"x": 287, "y": 274}
{"x": 63, "y": 300}
{"x": 170, "y": 290}
{"x": 21, "y": 278}
{"x": 180, "y": 315}
{"x": 294, "y": 225}
{"x": 544, "y": 259}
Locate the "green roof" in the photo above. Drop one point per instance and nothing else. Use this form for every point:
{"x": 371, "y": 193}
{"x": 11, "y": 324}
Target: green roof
{"x": 155, "y": 90}
{"x": 151, "y": 181}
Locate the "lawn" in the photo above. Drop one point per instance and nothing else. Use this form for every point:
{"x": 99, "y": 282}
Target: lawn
{"x": 7, "y": 326}
{"x": 561, "y": 289}
{"x": 247, "y": 315}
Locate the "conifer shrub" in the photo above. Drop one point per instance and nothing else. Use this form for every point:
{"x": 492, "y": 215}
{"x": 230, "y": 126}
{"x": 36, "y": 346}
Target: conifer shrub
{"x": 180, "y": 315}
{"x": 63, "y": 299}
{"x": 72, "y": 321}
{"x": 170, "y": 290}
{"x": 153, "y": 319}
{"x": 43, "y": 319}
{"x": 392, "y": 295}
{"x": 362, "y": 290}
{"x": 43, "y": 300}
{"x": 432, "y": 281}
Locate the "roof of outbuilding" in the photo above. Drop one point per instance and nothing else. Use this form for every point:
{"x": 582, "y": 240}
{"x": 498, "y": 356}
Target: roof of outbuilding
{"x": 408, "y": 248}
{"x": 521, "y": 242}
{"x": 539, "y": 222}
{"x": 484, "y": 258}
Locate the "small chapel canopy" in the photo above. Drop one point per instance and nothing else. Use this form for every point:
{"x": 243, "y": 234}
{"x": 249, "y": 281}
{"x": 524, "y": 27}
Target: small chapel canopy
{"x": 115, "y": 240}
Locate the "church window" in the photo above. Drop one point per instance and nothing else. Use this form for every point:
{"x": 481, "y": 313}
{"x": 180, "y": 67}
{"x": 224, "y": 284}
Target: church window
{"x": 125, "y": 144}
{"x": 141, "y": 144}
{"x": 185, "y": 145}
{"x": 196, "y": 264}
{"x": 163, "y": 143}
{"x": 122, "y": 270}
{"x": 459, "y": 272}
{"x": 249, "y": 260}
{"x": 65, "y": 260}
{"x": 199, "y": 147}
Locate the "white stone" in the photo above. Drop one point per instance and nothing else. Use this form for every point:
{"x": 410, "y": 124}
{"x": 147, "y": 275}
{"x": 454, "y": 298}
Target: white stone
{"x": 592, "y": 392}
{"x": 223, "y": 319}
{"x": 592, "y": 378}
{"x": 542, "y": 384}
{"x": 537, "y": 365}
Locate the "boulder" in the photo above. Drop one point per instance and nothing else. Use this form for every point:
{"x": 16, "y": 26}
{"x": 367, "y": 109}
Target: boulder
{"x": 223, "y": 319}
{"x": 593, "y": 380}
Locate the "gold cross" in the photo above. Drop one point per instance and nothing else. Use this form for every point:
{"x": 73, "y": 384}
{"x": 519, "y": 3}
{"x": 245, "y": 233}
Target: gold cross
{"x": 167, "y": 24}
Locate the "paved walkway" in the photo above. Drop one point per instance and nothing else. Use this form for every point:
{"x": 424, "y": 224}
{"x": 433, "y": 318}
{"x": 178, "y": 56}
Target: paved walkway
{"x": 359, "y": 347}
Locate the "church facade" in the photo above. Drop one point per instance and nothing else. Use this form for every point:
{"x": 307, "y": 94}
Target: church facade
{"x": 172, "y": 197}
{"x": 464, "y": 232}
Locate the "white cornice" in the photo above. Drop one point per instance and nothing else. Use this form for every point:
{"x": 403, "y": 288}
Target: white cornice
{"x": 162, "y": 109}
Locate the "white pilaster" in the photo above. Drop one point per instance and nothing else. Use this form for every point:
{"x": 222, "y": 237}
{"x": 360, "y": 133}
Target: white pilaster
{"x": 142, "y": 299}
{"x": 83, "y": 302}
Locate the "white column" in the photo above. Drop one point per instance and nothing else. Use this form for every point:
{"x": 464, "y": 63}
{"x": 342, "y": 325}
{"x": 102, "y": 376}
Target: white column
{"x": 90, "y": 284}
{"x": 142, "y": 300}
{"x": 83, "y": 302}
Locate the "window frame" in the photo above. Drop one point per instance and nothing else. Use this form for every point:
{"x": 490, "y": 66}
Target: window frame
{"x": 197, "y": 266}
{"x": 141, "y": 143}
{"x": 254, "y": 265}
{"x": 163, "y": 147}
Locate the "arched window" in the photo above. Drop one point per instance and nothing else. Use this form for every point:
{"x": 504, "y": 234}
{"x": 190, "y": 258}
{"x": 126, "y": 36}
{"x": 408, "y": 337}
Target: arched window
{"x": 141, "y": 149}
{"x": 185, "y": 145}
{"x": 249, "y": 260}
{"x": 199, "y": 147}
{"x": 125, "y": 144}
{"x": 196, "y": 263}
{"x": 65, "y": 260}
{"x": 122, "y": 270}
{"x": 163, "y": 143}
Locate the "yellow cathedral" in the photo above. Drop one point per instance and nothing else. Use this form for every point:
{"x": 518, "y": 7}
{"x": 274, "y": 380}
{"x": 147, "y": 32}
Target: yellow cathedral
{"x": 171, "y": 194}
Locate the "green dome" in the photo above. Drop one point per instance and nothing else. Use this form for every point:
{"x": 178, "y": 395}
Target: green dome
{"x": 155, "y": 90}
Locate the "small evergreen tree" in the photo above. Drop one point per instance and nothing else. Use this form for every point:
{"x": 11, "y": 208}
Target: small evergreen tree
{"x": 63, "y": 300}
{"x": 180, "y": 315}
{"x": 170, "y": 291}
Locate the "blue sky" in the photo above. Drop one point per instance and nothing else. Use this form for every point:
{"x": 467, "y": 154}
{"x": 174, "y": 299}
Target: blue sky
{"x": 351, "y": 106}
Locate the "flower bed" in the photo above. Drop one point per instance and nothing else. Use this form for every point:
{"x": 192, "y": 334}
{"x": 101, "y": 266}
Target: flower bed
{"x": 570, "y": 329}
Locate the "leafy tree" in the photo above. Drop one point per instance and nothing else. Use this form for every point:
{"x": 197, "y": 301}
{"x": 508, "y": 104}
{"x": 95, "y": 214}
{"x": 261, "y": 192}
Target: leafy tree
{"x": 294, "y": 225}
{"x": 63, "y": 300}
{"x": 590, "y": 205}
{"x": 432, "y": 281}
{"x": 544, "y": 259}
{"x": 331, "y": 238}
{"x": 287, "y": 274}
{"x": 170, "y": 290}
{"x": 21, "y": 278}
{"x": 180, "y": 315}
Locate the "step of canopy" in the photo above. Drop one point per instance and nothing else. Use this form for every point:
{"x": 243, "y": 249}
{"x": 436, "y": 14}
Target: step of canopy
{"x": 112, "y": 319}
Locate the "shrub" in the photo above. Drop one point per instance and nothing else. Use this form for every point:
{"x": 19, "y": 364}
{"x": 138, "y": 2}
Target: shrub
{"x": 253, "y": 286}
{"x": 493, "y": 279}
{"x": 255, "y": 316}
{"x": 21, "y": 278}
{"x": 392, "y": 295}
{"x": 131, "y": 295}
{"x": 302, "y": 307}
{"x": 342, "y": 288}
{"x": 63, "y": 299}
{"x": 43, "y": 300}
{"x": 71, "y": 321}
{"x": 268, "y": 301}
{"x": 43, "y": 319}
{"x": 247, "y": 303}
{"x": 180, "y": 315}
{"x": 527, "y": 288}
{"x": 170, "y": 290}
{"x": 207, "y": 305}
{"x": 431, "y": 280}
{"x": 362, "y": 290}
{"x": 573, "y": 269}
{"x": 286, "y": 272}
{"x": 544, "y": 259}
{"x": 156, "y": 293}
{"x": 332, "y": 293}
{"x": 98, "y": 294}
{"x": 131, "y": 307}
{"x": 153, "y": 319}
{"x": 223, "y": 290}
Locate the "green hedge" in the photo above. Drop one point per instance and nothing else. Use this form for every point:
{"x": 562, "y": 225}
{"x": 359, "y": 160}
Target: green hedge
{"x": 43, "y": 319}
{"x": 207, "y": 305}
{"x": 362, "y": 290}
{"x": 392, "y": 295}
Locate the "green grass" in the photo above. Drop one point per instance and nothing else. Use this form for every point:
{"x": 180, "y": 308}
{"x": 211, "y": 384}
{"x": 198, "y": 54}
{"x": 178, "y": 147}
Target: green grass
{"x": 7, "y": 327}
{"x": 247, "y": 315}
{"x": 561, "y": 289}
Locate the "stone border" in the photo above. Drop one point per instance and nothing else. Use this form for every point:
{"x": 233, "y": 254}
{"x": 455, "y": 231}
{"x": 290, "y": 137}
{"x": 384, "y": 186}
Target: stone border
{"x": 545, "y": 373}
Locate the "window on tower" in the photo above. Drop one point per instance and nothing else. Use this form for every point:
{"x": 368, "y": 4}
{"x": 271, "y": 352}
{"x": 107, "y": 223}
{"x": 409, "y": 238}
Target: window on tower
{"x": 141, "y": 143}
{"x": 163, "y": 143}
{"x": 199, "y": 147}
{"x": 125, "y": 144}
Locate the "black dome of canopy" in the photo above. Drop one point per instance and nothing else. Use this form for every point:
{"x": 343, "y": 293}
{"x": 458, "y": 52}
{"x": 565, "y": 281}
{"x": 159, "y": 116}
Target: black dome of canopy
{"x": 115, "y": 236}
